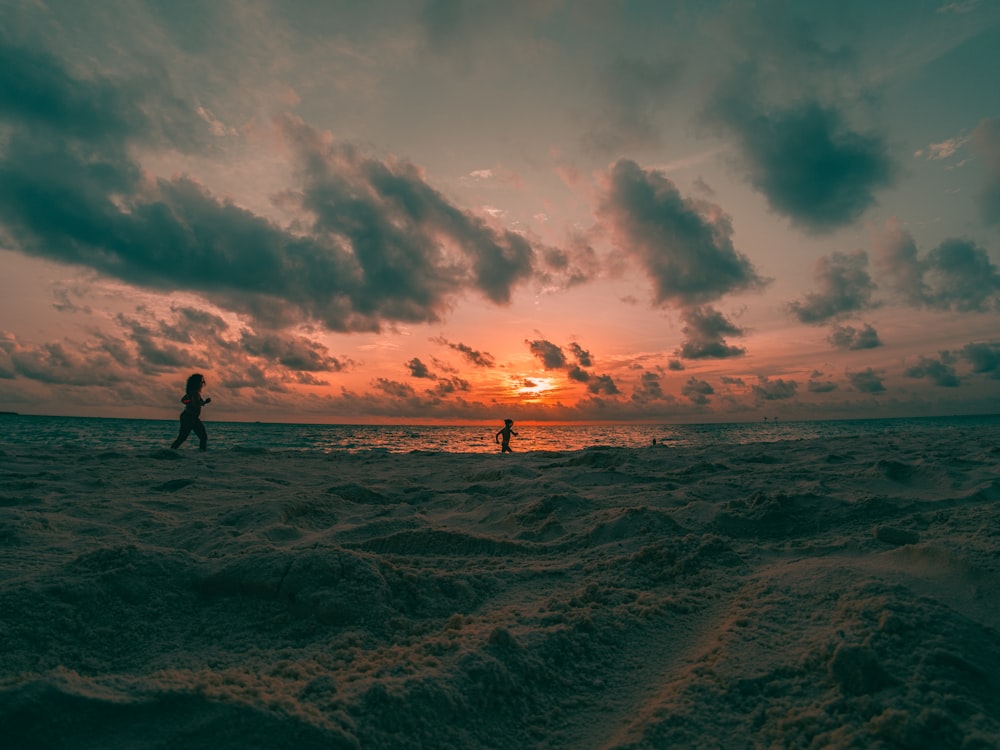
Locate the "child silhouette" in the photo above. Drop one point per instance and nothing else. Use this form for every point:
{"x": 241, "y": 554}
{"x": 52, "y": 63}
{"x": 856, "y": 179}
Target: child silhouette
{"x": 506, "y": 431}
{"x": 191, "y": 416}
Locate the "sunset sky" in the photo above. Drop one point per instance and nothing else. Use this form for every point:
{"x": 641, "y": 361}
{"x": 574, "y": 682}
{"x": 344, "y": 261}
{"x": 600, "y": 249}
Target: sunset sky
{"x": 442, "y": 211}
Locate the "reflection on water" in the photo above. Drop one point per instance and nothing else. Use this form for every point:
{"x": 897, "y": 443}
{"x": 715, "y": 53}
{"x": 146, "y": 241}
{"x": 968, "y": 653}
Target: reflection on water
{"x": 121, "y": 434}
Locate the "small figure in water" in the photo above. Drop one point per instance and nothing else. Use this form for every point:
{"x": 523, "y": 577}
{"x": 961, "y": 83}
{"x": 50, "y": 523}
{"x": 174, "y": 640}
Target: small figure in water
{"x": 191, "y": 416}
{"x": 506, "y": 431}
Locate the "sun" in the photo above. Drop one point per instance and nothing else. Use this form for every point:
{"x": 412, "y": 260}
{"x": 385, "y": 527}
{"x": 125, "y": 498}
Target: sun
{"x": 530, "y": 388}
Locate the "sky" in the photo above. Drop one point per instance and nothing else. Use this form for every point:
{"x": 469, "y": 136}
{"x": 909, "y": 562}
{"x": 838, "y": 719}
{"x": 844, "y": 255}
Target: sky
{"x": 448, "y": 211}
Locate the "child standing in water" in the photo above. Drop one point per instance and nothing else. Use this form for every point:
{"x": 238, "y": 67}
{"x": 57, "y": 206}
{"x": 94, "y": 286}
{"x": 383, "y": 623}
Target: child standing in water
{"x": 506, "y": 431}
{"x": 191, "y": 416}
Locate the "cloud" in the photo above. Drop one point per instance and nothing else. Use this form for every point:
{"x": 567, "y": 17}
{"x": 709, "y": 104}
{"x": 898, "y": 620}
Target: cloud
{"x": 569, "y": 266}
{"x": 697, "y": 391}
{"x": 550, "y": 355}
{"x": 578, "y": 374}
{"x": 849, "y": 337}
{"x": 984, "y": 357}
{"x": 844, "y": 287}
{"x": 774, "y": 390}
{"x": 399, "y": 231}
{"x": 477, "y": 358}
{"x": 60, "y": 363}
{"x": 986, "y": 143}
{"x": 393, "y": 388}
{"x": 294, "y": 352}
{"x": 649, "y": 389}
{"x": 418, "y": 369}
{"x": 955, "y": 275}
{"x": 941, "y": 370}
{"x": 943, "y": 150}
{"x": 40, "y": 97}
{"x": 960, "y": 6}
{"x": 959, "y": 275}
{"x": 705, "y": 328}
{"x": 809, "y": 164}
{"x": 583, "y": 357}
{"x": 447, "y": 386}
{"x": 603, "y": 385}
{"x": 815, "y": 385}
{"x": 675, "y": 365}
{"x": 684, "y": 245}
{"x": 375, "y": 242}
{"x": 866, "y": 381}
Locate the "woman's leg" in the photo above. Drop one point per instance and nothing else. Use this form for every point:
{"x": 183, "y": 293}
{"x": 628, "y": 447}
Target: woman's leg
{"x": 184, "y": 432}
{"x": 199, "y": 430}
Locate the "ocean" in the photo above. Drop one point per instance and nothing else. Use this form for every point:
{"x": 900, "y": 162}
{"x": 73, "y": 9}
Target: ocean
{"x": 151, "y": 434}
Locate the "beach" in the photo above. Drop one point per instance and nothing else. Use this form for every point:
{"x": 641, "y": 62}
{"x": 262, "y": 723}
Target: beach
{"x": 793, "y": 594}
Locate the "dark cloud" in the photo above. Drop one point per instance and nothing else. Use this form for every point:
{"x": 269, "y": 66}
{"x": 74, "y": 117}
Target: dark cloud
{"x": 849, "y": 337}
{"x": 371, "y": 248}
{"x": 63, "y": 302}
{"x": 941, "y": 370}
{"x": 809, "y": 164}
{"x": 986, "y": 143}
{"x": 697, "y": 391}
{"x": 294, "y": 352}
{"x": 649, "y": 389}
{"x": 188, "y": 320}
{"x": 602, "y": 385}
{"x": 58, "y": 363}
{"x": 984, "y": 357}
{"x": 684, "y": 245}
{"x": 473, "y": 356}
{"x": 866, "y": 381}
{"x": 570, "y": 266}
{"x": 774, "y": 390}
{"x": 959, "y": 275}
{"x": 393, "y": 388}
{"x": 550, "y": 355}
{"x": 447, "y": 386}
{"x": 675, "y": 365}
{"x": 154, "y": 344}
{"x": 418, "y": 369}
{"x": 41, "y": 97}
{"x": 578, "y": 374}
{"x": 396, "y": 227}
{"x": 583, "y": 357}
{"x": 844, "y": 288}
{"x": 705, "y": 329}
{"x": 820, "y": 386}
{"x": 955, "y": 275}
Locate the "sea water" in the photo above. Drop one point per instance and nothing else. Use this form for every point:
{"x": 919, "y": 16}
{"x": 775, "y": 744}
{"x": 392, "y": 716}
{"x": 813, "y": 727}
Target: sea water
{"x": 151, "y": 434}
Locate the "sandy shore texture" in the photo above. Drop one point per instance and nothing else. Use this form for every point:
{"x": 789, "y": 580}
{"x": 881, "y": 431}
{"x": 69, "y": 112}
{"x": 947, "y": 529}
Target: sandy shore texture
{"x": 787, "y": 595}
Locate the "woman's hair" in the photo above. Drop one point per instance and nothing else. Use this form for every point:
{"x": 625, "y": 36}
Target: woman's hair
{"x": 194, "y": 382}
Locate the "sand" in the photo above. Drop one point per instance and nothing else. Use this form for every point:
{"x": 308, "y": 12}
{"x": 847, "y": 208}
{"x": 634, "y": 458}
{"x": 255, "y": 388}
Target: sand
{"x": 801, "y": 594}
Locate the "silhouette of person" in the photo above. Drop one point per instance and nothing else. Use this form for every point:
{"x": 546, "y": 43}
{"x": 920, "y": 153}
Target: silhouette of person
{"x": 191, "y": 416}
{"x": 506, "y": 431}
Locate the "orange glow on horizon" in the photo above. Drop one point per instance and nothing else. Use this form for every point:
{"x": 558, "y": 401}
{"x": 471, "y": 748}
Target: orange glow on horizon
{"x": 534, "y": 389}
